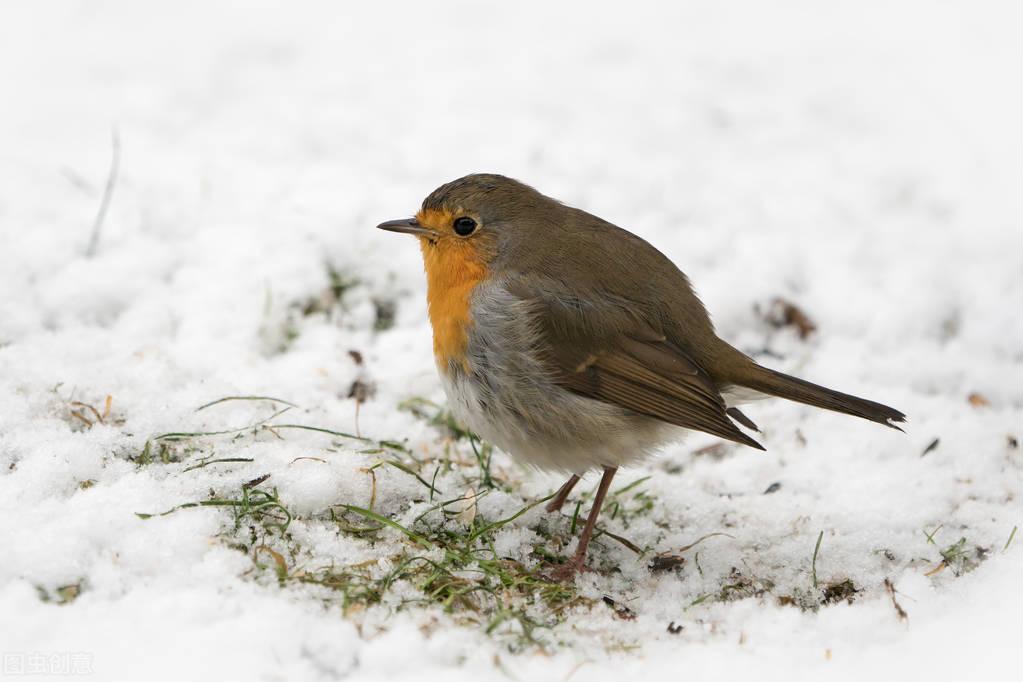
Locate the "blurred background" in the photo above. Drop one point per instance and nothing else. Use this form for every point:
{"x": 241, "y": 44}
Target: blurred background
{"x": 727, "y": 133}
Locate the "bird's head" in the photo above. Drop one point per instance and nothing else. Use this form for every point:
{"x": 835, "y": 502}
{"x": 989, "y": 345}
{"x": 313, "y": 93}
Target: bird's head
{"x": 464, "y": 228}
{"x": 468, "y": 222}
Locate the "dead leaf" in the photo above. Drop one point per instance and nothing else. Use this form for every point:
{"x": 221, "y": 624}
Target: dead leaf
{"x": 248, "y": 485}
{"x": 716, "y": 450}
{"x": 783, "y": 313}
{"x": 466, "y": 507}
{"x": 282, "y": 565}
{"x": 361, "y": 390}
{"x": 666, "y": 562}
{"x": 621, "y": 611}
{"x": 978, "y": 400}
{"x": 899, "y": 611}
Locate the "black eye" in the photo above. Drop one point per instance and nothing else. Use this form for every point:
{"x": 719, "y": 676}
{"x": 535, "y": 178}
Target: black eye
{"x": 464, "y": 226}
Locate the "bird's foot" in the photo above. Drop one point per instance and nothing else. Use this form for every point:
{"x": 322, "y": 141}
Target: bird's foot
{"x": 559, "y": 500}
{"x": 555, "y": 505}
{"x": 566, "y": 572}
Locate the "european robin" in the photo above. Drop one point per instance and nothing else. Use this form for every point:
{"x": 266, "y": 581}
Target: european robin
{"x": 572, "y": 344}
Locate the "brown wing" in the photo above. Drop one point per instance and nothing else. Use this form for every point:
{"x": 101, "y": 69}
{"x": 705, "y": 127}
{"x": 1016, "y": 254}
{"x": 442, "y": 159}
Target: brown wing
{"x": 611, "y": 349}
{"x": 651, "y": 377}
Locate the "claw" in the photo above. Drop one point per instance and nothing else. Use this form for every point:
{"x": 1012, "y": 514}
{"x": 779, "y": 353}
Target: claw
{"x": 566, "y": 572}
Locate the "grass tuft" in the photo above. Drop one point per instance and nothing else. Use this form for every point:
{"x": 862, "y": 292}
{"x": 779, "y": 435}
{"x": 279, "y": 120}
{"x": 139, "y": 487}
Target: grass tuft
{"x": 255, "y": 505}
{"x": 463, "y": 574}
{"x": 436, "y": 555}
{"x": 62, "y": 594}
{"x": 844, "y": 590}
{"x": 448, "y": 558}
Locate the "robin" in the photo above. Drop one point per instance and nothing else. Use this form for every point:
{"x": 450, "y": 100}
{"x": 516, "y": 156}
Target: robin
{"x": 573, "y": 344}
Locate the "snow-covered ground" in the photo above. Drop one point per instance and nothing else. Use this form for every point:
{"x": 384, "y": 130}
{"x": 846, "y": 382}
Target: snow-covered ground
{"x": 860, "y": 160}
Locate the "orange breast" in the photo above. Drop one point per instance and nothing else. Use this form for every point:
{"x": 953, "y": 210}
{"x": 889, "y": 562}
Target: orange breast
{"x": 453, "y": 269}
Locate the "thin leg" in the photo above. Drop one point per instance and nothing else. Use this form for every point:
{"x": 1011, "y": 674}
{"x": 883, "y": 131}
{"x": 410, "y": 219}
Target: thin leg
{"x": 559, "y": 500}
{"x": 568, "y": 570}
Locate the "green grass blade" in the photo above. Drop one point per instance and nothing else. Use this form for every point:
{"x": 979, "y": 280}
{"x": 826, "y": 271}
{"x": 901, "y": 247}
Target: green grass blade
{"x": 379, "y": 518}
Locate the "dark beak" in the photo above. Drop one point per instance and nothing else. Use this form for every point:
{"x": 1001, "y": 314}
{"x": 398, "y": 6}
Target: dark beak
{"x": 408, "y": 226}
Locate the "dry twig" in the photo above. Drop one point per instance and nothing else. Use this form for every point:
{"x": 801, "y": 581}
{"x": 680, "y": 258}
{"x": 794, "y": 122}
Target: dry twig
{"x": 108, "y": 193}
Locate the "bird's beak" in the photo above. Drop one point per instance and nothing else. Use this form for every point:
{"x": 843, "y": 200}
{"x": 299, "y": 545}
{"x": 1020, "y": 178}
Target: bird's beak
{"x": 408, "y": 226}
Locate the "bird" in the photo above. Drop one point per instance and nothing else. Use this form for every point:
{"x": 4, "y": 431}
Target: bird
{"x": 573, "y": 345}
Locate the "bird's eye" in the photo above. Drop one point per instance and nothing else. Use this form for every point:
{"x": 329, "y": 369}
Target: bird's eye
{"x": 464, "y": 226}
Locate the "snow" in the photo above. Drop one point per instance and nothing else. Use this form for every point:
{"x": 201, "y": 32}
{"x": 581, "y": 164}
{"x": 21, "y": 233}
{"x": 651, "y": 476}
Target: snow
{"x": 861, "y": 161}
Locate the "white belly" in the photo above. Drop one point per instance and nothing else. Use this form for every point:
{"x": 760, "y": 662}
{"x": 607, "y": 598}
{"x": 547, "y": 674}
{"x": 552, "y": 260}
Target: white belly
{"x": 507, "y": 396}
{"x": 566, "y": 432}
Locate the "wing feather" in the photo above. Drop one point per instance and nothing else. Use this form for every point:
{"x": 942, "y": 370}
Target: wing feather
{"x": 684, "y": 399}
{"x": 609, "y": 350}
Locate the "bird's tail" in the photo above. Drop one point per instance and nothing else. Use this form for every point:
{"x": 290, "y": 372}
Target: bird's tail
{"x": 781, "y": 385}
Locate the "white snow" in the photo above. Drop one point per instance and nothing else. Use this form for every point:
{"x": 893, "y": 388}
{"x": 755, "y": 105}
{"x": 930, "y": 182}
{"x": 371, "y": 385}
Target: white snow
{"x": 861, "y": 160}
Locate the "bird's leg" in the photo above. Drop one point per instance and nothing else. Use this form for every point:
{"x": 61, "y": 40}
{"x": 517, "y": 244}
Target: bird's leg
{"x": 568, "y": 570}
{"x": 559, "y": 500}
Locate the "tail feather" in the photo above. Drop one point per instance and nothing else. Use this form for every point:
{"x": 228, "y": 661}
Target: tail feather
{"x": 784, "y": 386}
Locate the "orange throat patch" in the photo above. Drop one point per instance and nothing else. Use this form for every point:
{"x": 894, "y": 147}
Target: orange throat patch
{"x": 454, "y": 267}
